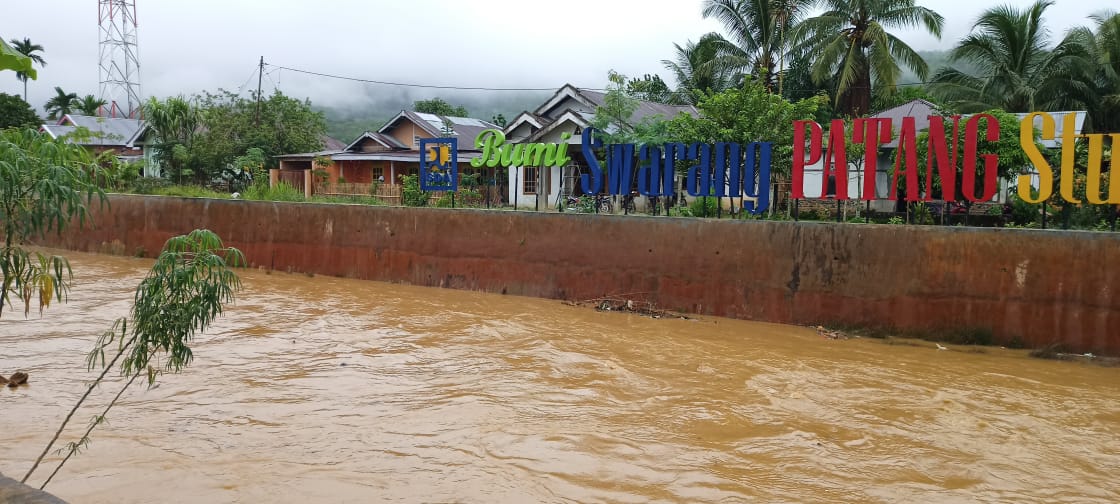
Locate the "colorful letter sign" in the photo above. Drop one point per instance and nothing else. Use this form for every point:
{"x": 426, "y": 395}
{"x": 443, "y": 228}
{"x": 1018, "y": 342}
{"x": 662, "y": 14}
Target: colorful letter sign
{"x": 952, "y": 152}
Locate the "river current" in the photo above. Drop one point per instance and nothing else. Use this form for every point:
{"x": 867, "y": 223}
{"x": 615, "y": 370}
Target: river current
{"x": 329, "y": 390}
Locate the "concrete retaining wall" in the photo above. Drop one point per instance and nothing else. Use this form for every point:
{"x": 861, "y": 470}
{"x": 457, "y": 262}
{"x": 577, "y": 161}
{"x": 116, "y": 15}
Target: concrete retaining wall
{"x": 1028, "y": 286}
{"x": 14, "y": 492}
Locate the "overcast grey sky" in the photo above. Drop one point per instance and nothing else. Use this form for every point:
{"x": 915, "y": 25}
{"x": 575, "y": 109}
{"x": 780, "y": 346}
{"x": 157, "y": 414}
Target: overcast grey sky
{"x": 188, "y": 46}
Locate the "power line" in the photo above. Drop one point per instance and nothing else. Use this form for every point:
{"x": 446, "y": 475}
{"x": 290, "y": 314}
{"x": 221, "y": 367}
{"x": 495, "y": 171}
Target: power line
{"x": 247, "y": 80}
{"x": 275, "y": 85}
{"x": 483, "y": 88}
{"x": 403, "y": 84}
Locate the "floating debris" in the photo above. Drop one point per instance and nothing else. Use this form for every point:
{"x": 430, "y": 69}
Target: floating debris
{"x": 18, "y": 378}
{"x": 626, "y": 303}
{"x": 833, "y": 335}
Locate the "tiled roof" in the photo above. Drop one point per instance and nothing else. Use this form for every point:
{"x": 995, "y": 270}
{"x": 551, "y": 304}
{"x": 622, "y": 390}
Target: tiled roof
{"x": 331, "y": 143}
{"x": 464, "y": 128}
{"x": 645, "y": 108}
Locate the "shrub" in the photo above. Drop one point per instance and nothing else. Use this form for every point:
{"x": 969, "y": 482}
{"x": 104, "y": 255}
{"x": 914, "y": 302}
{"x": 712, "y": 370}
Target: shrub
{"x": 411, "y": 194}
{"x": 148, "y": 185}
{"x": 704, "y": 207}
{"x": 283, "y": 191}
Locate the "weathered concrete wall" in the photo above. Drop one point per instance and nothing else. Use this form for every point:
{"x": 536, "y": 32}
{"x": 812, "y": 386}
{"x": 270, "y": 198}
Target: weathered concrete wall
{"x": 1037, "y": 287}
{"x": 14, "y": 492}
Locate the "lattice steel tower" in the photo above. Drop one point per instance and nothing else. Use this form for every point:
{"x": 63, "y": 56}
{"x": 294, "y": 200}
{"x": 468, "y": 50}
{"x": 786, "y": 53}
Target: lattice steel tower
{"x": 119, "y": 53}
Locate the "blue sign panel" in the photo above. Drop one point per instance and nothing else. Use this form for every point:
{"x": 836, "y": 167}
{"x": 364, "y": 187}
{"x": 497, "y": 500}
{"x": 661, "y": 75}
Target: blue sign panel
{"x": 439, "y": 164}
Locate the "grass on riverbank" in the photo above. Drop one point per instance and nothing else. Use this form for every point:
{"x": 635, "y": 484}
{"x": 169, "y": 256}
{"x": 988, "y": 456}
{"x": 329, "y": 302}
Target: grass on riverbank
{"x": 282, "y": 192}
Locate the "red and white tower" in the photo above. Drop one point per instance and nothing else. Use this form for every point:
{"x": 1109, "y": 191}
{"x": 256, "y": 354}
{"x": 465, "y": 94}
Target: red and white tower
{"x": 119, "y": 52}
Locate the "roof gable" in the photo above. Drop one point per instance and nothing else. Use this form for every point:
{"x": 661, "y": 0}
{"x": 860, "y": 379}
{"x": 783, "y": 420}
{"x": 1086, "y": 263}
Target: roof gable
{"x": 566, "y": 92}
{"x": 525, "y": 122}
{"x": 574, "y": 118}
{"x": 463, "y": 128}
{"x": 571, "y": 98}
{"x": 366, "y": 140}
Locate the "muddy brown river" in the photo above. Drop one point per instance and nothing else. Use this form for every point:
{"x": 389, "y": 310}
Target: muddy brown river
{"x": 327, "y": 390}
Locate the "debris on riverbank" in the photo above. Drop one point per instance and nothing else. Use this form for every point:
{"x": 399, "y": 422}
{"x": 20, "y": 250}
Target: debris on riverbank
{"x": 627, "y": 303}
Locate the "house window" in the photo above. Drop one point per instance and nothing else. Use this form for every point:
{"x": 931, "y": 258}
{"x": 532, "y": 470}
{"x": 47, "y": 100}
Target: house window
{"x": 416, "y": 141}
{"x": 529, "y": 183}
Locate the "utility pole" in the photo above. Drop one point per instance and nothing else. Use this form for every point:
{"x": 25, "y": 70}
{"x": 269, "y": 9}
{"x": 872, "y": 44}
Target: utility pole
{"x": 260, "y": 75}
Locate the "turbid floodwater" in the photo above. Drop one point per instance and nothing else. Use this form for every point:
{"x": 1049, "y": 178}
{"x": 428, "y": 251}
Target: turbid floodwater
{"x": 329, "y": 390}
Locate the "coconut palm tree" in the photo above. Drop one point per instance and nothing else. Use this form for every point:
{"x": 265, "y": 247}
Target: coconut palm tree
{"x": 699, "y": 68}
{"x": 1108, "y": 54}
{"x": 757, "y": 31}
{"x": 1097, "y": 85}
{"x": 1021, "y": 73}
{"x": 850, "y": 41}
{"x": 90, "y": 105}
{"x": 26, "y": 48}
{"x": 61, "y": 103}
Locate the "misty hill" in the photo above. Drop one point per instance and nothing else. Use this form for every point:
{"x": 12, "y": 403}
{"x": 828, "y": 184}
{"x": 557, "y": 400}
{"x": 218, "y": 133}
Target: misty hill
{"x": 936, "y": 61}
{"x": 346, "y": 122}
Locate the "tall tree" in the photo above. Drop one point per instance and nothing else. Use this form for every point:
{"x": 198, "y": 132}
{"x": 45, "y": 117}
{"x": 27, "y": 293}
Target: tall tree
{"x": 439, "y": 107}
{"x": 1096, "y": 82}
{"x": 286, "y": 126}
{"x": 61, "y": 103}
{"x": 699, "y": 68}
{"x": 1020, "y": 73}
{"x": 850, "y": 41}
{"x": 174, "y": 123}
{"x": 757, "y": 30}
{"x": 90, "y": 105}
{"x": 615, "y": 120}
{"x": 1108, "y": 54}
{"x": 26, "y": 48}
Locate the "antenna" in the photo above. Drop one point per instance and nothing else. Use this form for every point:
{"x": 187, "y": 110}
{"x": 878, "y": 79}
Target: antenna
{"x": 119, "y": 58}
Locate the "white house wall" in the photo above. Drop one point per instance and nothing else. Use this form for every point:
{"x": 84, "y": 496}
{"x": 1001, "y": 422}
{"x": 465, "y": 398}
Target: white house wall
{"x": 518, "y": 197}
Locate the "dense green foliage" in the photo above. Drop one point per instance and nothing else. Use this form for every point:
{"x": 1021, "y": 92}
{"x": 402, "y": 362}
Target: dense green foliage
{"x": 615, "y": 121}
{"x": 744, "y": 115}
{"x": 206, "y": 139}
{"x": 411, "y": 194}
{"x": 16, "y": 113}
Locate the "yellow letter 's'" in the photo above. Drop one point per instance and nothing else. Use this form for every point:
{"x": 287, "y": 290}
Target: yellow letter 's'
{"x": 1045, "y": 172}
{"x": 1069, "y": 148}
